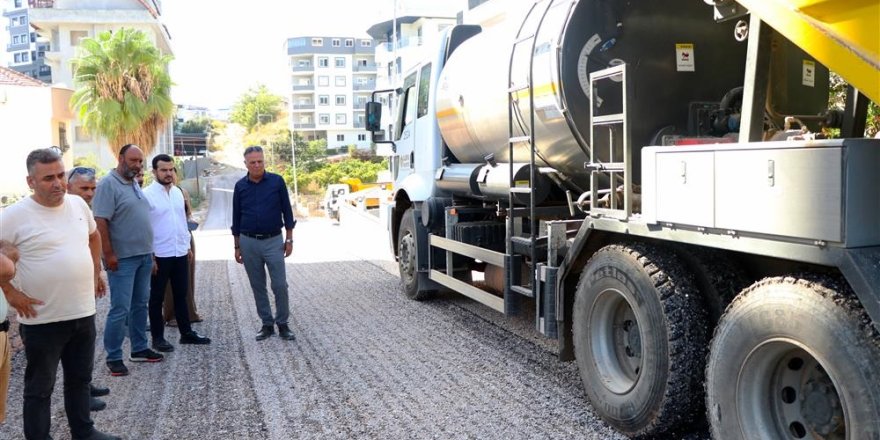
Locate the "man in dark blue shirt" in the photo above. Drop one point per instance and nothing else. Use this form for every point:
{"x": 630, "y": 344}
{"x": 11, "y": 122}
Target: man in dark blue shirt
{"x": 260, "y": 208}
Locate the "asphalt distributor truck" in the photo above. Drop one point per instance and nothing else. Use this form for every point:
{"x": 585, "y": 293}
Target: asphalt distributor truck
{"x": 665, "y": 185}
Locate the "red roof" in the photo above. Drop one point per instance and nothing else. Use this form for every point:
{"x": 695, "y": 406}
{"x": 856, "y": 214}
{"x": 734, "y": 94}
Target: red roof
{"x": 9, "y": 77}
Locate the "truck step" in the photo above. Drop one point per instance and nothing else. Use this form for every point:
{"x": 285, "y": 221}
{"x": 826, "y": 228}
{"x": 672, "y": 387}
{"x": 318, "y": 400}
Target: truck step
{"x": 616, "y": 118}
{"x": 520, "y": 190}
{"x": 523, "y": 290}
{"x": 522, "y": 246}
{"x": 518, "y": 88}
{"x": 520, "y": 139}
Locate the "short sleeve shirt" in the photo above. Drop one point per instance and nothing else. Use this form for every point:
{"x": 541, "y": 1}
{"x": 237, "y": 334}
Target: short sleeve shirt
{"x": 127, "y": 210}
{"x": 55, "y": 264}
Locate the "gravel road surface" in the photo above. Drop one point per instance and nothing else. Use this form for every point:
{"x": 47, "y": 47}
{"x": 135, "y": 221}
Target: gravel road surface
{"x": 367, "y": 363}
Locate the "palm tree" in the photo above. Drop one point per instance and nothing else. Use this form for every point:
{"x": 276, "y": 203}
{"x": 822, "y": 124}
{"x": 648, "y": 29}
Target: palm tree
{"x": 123, "y": 88}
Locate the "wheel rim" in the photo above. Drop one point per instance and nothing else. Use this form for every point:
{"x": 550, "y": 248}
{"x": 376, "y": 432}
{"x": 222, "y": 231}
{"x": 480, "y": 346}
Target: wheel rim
{"x": 407, "y": 257}
{"x": 615, "y": 339}
{"x": 783, "y": 389}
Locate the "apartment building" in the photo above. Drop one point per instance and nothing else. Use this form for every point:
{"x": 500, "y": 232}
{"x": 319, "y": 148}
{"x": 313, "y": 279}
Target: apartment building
{"x": 65, "y": 22}
{"x": 331, "y": 81}
{"x": 402, "y": 40}
{"x": 25, "y": 53}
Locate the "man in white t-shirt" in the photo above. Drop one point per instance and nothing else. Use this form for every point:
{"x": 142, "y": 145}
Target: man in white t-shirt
{"x": 58, "y": 277}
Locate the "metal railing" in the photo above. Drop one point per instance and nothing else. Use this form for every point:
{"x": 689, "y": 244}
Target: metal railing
{"x": 303, "y": 125}
{"x": 303, "y": 87}
{"x": 304, "y": 106}
{"x": 41, "y": 4}
{"x": 371, "y": 85}
{"x": 369, "y": 67}
{"x": 309, "y": 68}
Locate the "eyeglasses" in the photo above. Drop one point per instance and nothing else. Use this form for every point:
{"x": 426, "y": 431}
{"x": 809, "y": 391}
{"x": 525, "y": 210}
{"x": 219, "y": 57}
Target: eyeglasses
{"x": 85, "y": 171}
{"x": 253, "y": 149}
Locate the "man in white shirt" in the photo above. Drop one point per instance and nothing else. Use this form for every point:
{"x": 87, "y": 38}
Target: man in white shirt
{"x": 171, "y": 248}
{"x": 58, "y": 277}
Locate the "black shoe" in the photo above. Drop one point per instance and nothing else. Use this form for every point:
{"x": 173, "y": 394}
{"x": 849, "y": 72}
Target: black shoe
{"x": 98, "y": 435}
{"x": 146, "y": 356}
{"x": 162, "y": 345}
{"x": 117, "y": 368}
{"x": 96, "y": 391}
{"x": 285, "y": 333}
{"x": 96, "y": 404}
{"x": 194, "y": 338}
{"x": 265, "y": 332}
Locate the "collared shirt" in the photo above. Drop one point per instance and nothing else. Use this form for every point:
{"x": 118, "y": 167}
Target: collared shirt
{"x": 261, "y": 207}
{"x": 127, "y": 210}
{"x": 168, "y": 217}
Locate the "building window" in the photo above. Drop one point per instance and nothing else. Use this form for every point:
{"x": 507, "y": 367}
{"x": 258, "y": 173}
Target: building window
{"x": 362, "y": 63}
{"x": 17, "y": 3}
{"x": 324, "y": 118}
{"x": 340, "y": 119}
{"x": 340, "y": 138}
{"x": 81, "y": 135}
{"x": 33, "y": 37}
{"x": 323, "y": 100}
{"x": 15, "y": 39}
{"x": 340, "y": 99}
{"x": 335, "y": 42}
{"x": 323, "y": 62}
{"x": 362, "y": 137}
{"x": 324, "y": 81}
{"x": 22, "y": 57}
{"x": 349, "y": 42}
{"x": 317, "y": 41}
{"x": 340, "y": 62}
{"x": 360, "y": 102}
{"x": 303, "y": 63}
{"x": 76, "y": 36}
{"x": 366, "y": 43}
{"x": 340, "y": 81}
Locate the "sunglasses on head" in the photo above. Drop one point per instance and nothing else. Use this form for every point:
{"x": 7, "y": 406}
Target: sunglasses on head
{"x": 86, "y": 171}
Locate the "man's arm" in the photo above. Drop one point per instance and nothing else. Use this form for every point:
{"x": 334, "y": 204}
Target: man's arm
{"x": 289, "y": 220}
{"x": 95, "y": 248}
{"x": 7, "y": 269}
{"x": 16, "y": 298}
{"x": 107, "y": 248}
{"x": 236, "y": 221}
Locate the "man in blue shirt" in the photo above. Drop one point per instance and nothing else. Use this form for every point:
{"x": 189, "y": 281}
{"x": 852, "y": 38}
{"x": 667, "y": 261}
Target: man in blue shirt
{"x": 260, "y": 208}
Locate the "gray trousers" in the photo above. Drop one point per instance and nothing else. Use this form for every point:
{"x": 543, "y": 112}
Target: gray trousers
{"x": 259, "y": 255}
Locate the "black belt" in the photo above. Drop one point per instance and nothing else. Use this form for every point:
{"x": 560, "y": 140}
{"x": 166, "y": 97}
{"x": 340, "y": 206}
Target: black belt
{"x": 4, "y": 326}
{"x": 261, "y": 236}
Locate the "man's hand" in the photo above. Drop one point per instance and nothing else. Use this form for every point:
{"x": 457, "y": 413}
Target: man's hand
{"x": 155, "y": 269}
{"x": 238, "y": 258}
{"x": 9, "y": 250}
{"x": 100, "y": 286}
{"x": 111, "y": 262}
{"x": 22, "y": 303}
{"x": 189, "y": 256}
{"x": 288, "y": 249}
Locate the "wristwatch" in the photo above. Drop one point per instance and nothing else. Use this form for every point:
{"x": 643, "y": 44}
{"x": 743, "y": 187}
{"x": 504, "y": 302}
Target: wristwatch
{"x": 288, "y": 241}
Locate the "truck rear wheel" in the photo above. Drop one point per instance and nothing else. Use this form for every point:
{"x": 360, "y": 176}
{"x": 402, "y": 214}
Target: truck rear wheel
{"x": 794, "y": 358}
{"x": 640, "y": 339}
{"x": 407, "y": 261}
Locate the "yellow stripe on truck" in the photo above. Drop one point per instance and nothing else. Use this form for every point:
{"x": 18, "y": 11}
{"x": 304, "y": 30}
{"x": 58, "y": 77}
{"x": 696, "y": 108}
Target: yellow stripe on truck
{"x": 540, "y": 91}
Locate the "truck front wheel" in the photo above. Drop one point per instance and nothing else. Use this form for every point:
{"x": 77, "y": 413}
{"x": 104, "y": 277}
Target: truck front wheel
{"x": 640, "y": 339}
{"x": 794, "y": 358}
{"x": 407, "y": 259}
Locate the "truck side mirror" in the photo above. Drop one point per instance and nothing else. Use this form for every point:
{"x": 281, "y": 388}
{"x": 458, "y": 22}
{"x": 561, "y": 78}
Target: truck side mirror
{"x": 374, "y": 116}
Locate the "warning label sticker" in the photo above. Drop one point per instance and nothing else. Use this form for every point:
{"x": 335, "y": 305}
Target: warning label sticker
{"x": 684, "y": 57}
{"x": 809, "y": 73}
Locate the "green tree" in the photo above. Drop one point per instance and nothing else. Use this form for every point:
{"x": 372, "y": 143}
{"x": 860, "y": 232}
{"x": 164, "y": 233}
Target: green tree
{"x": 123, "y": 90}
{"x": 256, "y": 106}
{"x": 198, "y": 125}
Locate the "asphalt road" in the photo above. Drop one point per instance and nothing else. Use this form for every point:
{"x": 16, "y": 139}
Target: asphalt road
{"x": 367, "y": 363}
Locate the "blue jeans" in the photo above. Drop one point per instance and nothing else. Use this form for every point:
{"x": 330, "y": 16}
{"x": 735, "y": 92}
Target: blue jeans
{"x": 258, "y": 256}
{"x": 129, "y": 296}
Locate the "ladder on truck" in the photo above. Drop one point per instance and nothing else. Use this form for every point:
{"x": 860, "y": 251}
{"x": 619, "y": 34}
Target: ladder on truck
{"x": 524, "y": 283}
{"x": 615, "y": 167}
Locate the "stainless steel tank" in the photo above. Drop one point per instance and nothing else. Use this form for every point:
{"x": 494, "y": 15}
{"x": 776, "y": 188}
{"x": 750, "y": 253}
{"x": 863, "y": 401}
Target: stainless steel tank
{"x": 573, "y": 39}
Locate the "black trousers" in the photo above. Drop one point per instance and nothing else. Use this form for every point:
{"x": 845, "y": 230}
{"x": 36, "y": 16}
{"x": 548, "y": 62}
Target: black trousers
{"x": 177, "y": 270}
{"x": 73, "y": 344}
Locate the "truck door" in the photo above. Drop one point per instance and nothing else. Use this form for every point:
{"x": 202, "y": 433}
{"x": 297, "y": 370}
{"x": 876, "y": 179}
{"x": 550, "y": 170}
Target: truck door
{"x": 406, "y": 135}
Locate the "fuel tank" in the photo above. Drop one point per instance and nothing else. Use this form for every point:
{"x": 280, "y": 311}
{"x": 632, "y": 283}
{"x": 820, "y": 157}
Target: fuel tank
{"x": 677, "y": 55}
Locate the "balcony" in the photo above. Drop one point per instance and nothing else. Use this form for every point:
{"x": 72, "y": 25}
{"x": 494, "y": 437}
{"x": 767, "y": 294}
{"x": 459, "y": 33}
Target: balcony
{"x": 41, "y": 4}
{"x": 303, "y": 126}
{"x": 310, "y": 106}
{"x": 369, "y": 85}
{"x": 369, "y": 67}
{"x": 304, "y": 88}
{"x": 309, "y": 68}
{"x": 403, "y": 43}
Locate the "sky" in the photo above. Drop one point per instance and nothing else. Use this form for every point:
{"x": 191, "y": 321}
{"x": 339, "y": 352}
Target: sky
{"x": 222, "y": 48}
